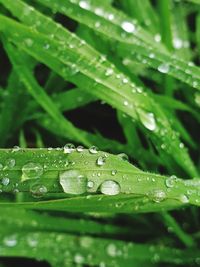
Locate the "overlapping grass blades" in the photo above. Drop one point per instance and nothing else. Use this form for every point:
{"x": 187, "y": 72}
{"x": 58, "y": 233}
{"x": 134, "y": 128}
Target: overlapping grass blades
{"x": 139, "y": 105}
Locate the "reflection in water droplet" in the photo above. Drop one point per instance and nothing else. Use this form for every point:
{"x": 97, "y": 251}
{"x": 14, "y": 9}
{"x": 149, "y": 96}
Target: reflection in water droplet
{"x": 110, "y": 187}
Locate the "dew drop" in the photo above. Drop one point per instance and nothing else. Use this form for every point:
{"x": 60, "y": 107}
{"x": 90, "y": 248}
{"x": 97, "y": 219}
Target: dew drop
{"x": 32, "y": 170}
{"x": 110, "y": 187}
{"x": 101, "y": 161}
{"x": 128, "y": 26}
{"x": 148, "y": 120}
{"x": 171, "y": 181}
{"x": 38, "y": 190}
{"x": 109, "y": 72}
{"x": 90, "y": 184}
{"x": 10, "y": 241}
{"x": 163, "y": 68}
{"x": 78, "y": 258}
{"x": 5, "y": 181}
{"x": 157, "y": 195}
{"x": 84, "y": 5}
{"x": 28, "y": 42}
{"x": 80, "y": 149}
{"x": 69, "y": 148}
{"x": 112, "y": 250}
{"x": 114, "y": 172}
{"x": 184, "y": 199}
{"x": 123, "y": 156}
{"x": 93, "y": 150}
{"x": 73, "y": 182}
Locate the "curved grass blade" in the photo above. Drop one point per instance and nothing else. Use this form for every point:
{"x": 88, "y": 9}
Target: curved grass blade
{"x": 89, "y": 250}
{"x": 91, "y": 181}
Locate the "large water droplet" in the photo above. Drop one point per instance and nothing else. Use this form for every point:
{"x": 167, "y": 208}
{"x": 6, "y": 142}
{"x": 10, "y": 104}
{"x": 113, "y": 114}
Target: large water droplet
{"x": 128, "y": 26}
{"x": 73, "y": 182}
{"x": 32, "y": 170}
{"x": 148, "y": 120}
{"x": 110, "y": 187}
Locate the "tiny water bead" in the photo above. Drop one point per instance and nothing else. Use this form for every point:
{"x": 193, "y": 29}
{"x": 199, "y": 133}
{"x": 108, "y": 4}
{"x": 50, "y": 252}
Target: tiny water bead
{"x": 73, "y": 182}
{"x": 28, "y": 42}
{"x": 38, "y": 190}
{"x": 128, "y": 26}
{"x": 32, "y": 170}
{"x": 110, "y": 187}
{"x": 69, "y": 148}
{"x": 112, "y": 250}
{"x": 101, "y": 160}
{"x": 157, "y": 195}
{"x": 163, "y": 68}
{"x": 90, "y": 184}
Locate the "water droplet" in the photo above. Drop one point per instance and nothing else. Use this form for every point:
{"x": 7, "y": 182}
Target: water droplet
{"x": 78, "y": 258}
{"x": 38, "y": 190}
{"x": 184, "y": 199}
{"x": 163, "y": 68}
{"x": 101, "y": 161}
{"x": 123, "y": 156}
{"x": 181, "y": 145}
{"x": 148, "y": 120}
{"x": 16, "y": 149}
{"x": 32, "y": 241}
{"x": 157, "y": 195}
{"x": 80, "y": 149}
{"x": 10, "y": 163}
{"x": 110, "y": 187}
{"x": 28, "y": 42}
{"x": 112, "y": 250}
{"x": 177, "y": 43}
{"x": 5, "y": 181}
{"x": 157, "y": 38}
{"x": 73, "y": 182}
{"x": 171, "y": 181}
{"x": 109, "y": 72}
{"x": 46, "y": 46}
{"x": 128, "y": 26}
{"x": 90, "y": 184}
{"x": 10, "y": 241}
{"x": 93, "y": 150}
{"x": 32, "y": 170}
{"x": 69, "y": 148}
{"x": 84, "y": 5}
{"x": 114, "y": 172}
